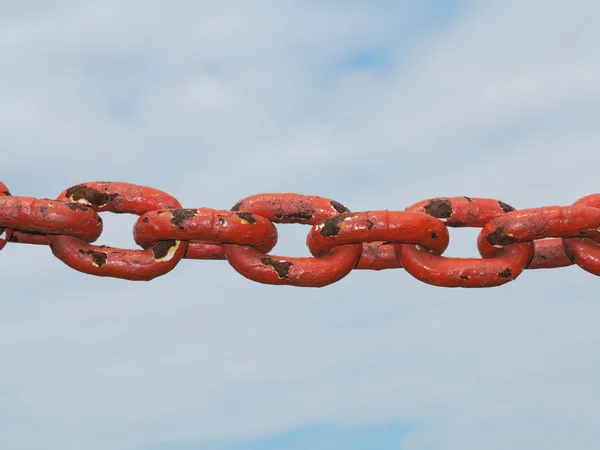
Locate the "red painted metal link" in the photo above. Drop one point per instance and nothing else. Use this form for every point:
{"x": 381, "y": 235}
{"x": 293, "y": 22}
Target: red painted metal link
{"x": 377, "y": 226}
{"x": 547, "y": 253}
{"x": 464, "y": 272}
{"x": 378, "y": 256}
{"x": 114, "y": 262}
{"x": 585, "y": 252}
{"x": 29, "y": 238}
{"x": 32, "y": 215}
{"x": 207, "y": 225}
{"x": 5, "y": 233}
{"x": 527, "y": 225}
{"x": 310, "y": 272}
{"x": 204, "y": 250}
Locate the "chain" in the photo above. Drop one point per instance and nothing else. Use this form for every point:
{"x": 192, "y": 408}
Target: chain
{"x": 339, "y": 240}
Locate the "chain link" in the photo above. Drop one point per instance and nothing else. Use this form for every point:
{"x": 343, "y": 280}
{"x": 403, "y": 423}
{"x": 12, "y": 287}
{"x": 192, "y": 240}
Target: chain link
{"x": 340, "y": 241}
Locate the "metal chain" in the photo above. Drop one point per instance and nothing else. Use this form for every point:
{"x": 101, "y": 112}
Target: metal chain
{"x": 339, "y": 240}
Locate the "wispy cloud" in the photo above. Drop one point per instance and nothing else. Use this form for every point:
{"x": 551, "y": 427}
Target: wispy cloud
{"x": 375, "y": 104}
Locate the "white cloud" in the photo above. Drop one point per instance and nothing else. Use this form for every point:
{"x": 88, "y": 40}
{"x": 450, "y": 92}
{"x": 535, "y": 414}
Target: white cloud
{"x": 216, "y": 101}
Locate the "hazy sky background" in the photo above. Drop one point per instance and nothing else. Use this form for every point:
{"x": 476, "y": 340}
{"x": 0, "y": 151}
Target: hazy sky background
{"x": 375, "y": 104}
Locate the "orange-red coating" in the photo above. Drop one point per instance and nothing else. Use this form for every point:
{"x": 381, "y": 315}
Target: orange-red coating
{"x": 378, "y": 256}
{"x": 464, "y": 272}
{"x": 538, "y": 223}
{"x": 118, "y": 197}
{"x": 204, "y": 250}
{"x": 377, "y": 226}
{"x": 207, "y": 225}
{"x": 32, "y": 215}
{"x": 309, "y": 272}
{"x": 549, "y": 254}
{"x": 584, "y": 251}
{"x": 290, "y": 208}
{"x": 5, "y": 233}
{"x": 28, "y": 238}
{"x": 106, "y": 261}
{"x": 460, "y": 212}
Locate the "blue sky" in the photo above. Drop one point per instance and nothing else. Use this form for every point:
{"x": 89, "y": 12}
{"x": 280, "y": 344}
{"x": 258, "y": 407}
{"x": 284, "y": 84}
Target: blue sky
{"x": 318, "y": 437}
{"x": 377, "y": 105}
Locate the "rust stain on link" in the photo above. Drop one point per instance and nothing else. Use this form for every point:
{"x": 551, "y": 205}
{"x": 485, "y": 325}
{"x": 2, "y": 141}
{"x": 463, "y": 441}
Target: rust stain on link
{"x": 290, "y": 208}
{"x": 141, "y": 265}
{"x": 30, "y": 215}
{"x": 204, "y": 226}
{"x": 119, "y": 197}
{"x": 308, "y": 272}
{"x": 464, "y": 272}
{"x": 376, "y": 226}
{"x": 532, "y": 224}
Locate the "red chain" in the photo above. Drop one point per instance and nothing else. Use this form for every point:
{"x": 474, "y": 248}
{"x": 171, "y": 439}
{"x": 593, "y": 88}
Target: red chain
{"x": 510, "y": 241}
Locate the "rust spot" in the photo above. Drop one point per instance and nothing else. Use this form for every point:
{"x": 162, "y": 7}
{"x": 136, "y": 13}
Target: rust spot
{"x": 7, "y": 193}
{"x": 369, "y": 224}
{"x": 237, "y": 206}
{"x": 281, "y": 267}
{"x": 92, "y": 196}
{"x": 465, "y": 277}
{"x": 470, "y": 201}
{"x": 180, "y": 215}
{"x": 339, "y": 207}
{"x": 43, "y": 209}
{"x": 222, "y": 220}
{"x": 294, "y": 217}
{"x": 98, "y": 258}
{"x": 434, "y": 235}
{"x": 506, "y": 273}
{"x": 77, "y": 206}
{"x": 332, "y": 225}
{"x": 145, "y": 220}
{"x": 505, "y": 207}
{"x": 248, "y": 217}
{"x": 442, "y": 209}
{"x": 161, "y": 249}
{"x": 499, "y": 238}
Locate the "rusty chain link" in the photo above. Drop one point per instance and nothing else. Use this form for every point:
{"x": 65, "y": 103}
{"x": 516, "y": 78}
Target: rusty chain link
{"x": 340, "y": 241}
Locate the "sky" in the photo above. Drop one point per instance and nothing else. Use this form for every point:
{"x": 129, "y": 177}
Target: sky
{"x": 377, "y": 105}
